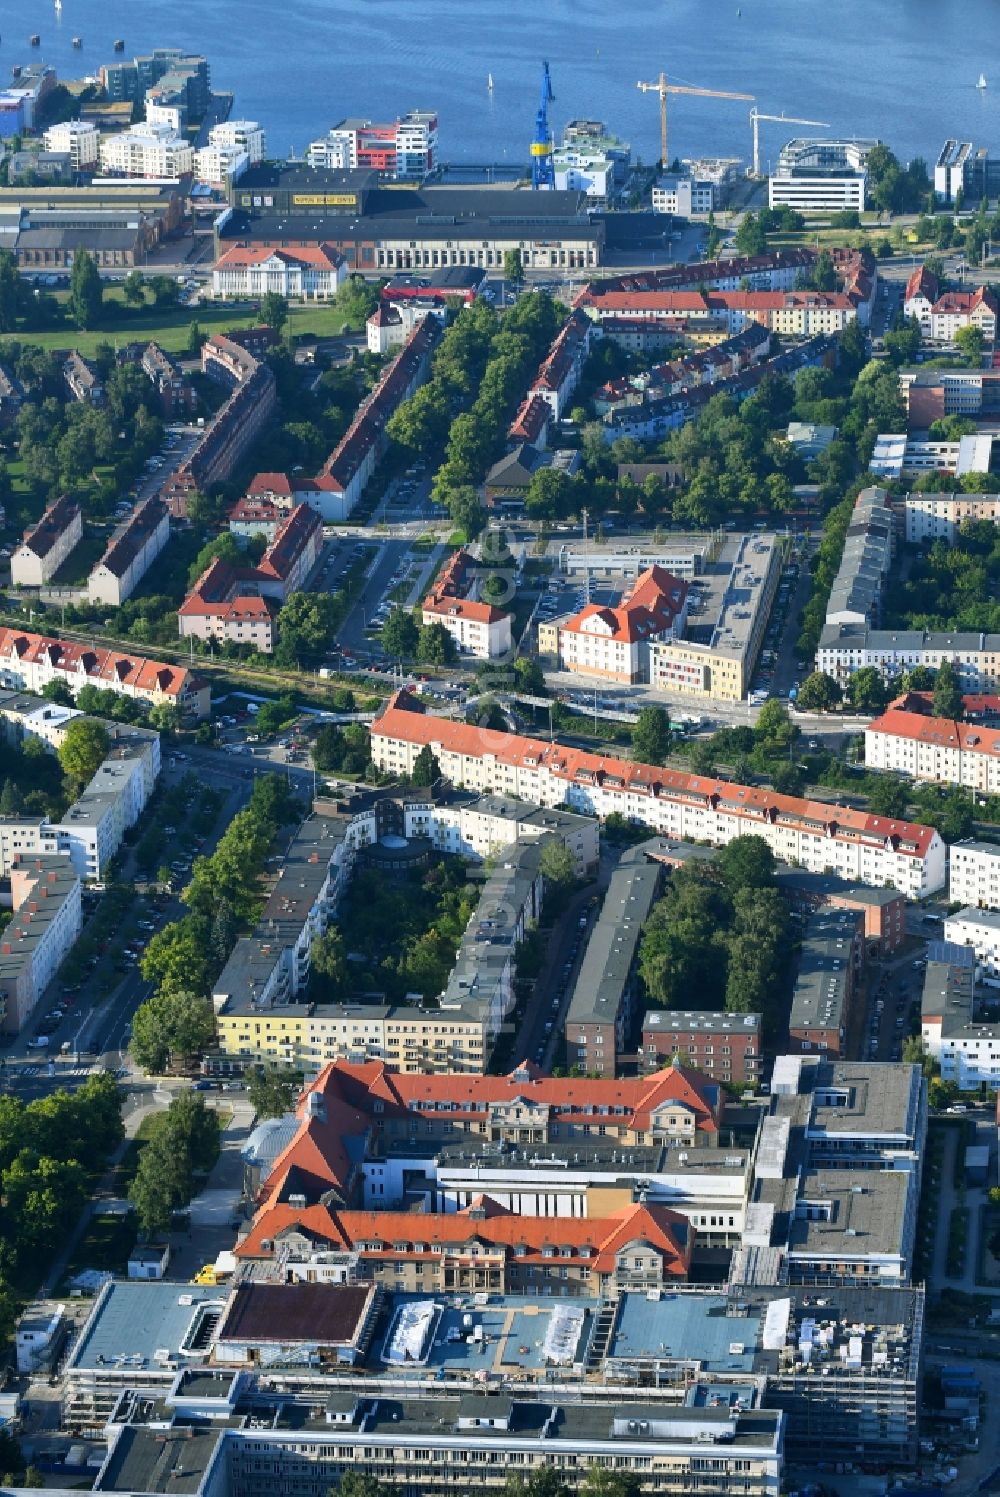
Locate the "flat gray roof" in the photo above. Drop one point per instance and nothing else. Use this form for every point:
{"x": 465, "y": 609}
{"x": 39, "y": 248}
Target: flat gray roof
{"x": 825, "y": 970}
{"x": 133, "y": 1319}
{"x": 161, "y": 1460}
{"x": 611, "y": 950}
{"x": 868, "y": 1212}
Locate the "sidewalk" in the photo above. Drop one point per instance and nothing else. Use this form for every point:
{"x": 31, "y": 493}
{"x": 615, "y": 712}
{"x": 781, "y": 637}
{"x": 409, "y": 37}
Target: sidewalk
{"x": 218, "y": 1204}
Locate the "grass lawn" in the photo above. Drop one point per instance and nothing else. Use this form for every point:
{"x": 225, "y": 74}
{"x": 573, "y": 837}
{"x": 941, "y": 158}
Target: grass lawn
{"x": 77, "y": 567}
{"x": 168, "y": 326}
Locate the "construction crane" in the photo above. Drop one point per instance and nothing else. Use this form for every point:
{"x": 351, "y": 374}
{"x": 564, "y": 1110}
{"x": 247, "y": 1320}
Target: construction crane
{"x": 662, "y": 87}
{"x": 542, "y": 171}
{"x": 788, "y": 119}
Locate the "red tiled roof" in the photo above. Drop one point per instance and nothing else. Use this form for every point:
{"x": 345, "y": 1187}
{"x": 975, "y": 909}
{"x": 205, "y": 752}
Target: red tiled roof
{"x": 319, "y": 257}
{"x": 938, "y": 732}
{"x": 404, "y": 718}
{"x": 531, "y": 420}
{"x": 447, "y": 596}
{"x": 593, "y": 1240}
{"x": 226, "y": 592}
{"x": 95, "y": 667}
{"x": 649, "y": 610}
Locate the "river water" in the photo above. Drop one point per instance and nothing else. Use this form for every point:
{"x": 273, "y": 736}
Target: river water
{"x": 904, "y": 70}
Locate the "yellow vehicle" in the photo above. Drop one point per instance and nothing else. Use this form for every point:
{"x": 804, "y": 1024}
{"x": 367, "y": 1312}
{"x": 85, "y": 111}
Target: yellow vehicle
{"x": 206, "y": 1275}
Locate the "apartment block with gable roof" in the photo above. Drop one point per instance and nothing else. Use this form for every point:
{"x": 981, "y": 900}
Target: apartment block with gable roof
{"x": 909, "y": 740}
{"x": 47, "y": 544}
{"x": 614, "y": 643}
{"x": 942, "y": 314}
{"x": 560, "y": 370}
{"x": 28, "y": 662}
{"x": 479, "y": 629}
{"x": 858, "y": 846}
{"x": 130, "y": 553}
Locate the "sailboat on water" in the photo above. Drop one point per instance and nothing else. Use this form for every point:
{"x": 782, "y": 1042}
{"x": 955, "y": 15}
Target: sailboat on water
{"x": 489, "y": 82}
{"x": 982, "y": 81}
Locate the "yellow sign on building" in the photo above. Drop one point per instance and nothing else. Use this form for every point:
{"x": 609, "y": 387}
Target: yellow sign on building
{"x": 325, "y": 200}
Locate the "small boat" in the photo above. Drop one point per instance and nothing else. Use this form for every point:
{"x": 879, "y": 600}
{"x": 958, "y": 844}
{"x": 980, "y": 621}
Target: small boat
{"x": 982, "y": 81}
{"x": 489, "y": 82}
{"x": 58, "y": 6}
{"x": 78, "y": 41}
{"x": 119, "y": 45}
{"x": 35, "y": 40}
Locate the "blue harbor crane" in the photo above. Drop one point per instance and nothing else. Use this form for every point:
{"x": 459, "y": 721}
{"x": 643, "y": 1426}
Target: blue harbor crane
{"x": 542, "y": 171}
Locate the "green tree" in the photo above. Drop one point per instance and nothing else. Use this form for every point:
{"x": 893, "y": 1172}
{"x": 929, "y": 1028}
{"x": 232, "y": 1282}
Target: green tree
{"x": 166, "y": 292}
{"x": 57, "y": 690}
{"x": 270, "y": 1094}
{"x": 556, "y": 864}
{"x": 195, "y": 340}
{"x": 947, "y": 693}
{"x": 328, "y": 960}
{"x": 465, "y": 510}
{"x": 134, "y": 288}
{"x": 10, "y": 291}
{"x": 887, "y": 795}
{"x": 360, "y": 1484}
{"x": 400, "y": 634}
{"x": 548, "y": 494}
{"x": 435, "y": 646}
{"x": 11, "y": 799}
{"x": 513, "y": 267}
{"x": 273, "y": 310}
{"x": 177, "y": 956}
{"x": 745, "y": 863}
{"x": 970, "y": 342}
{"x": 866, "y": 690}
{"x": 824, "y": 275}
{"x": 773, "y": 725}
{"x": 173, "y": 1025}
{"x": 651, "y": 736}
{"x": 819, "y": 693}
{"x": 529, "y": 676}
{"x": 305, "y": 627}
{"x": 426, "y": 767}
{"x": 86, "y": 293}
{"x": 84, "y": 748}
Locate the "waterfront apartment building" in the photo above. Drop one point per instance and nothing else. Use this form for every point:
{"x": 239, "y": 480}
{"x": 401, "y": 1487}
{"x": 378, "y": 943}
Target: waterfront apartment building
{"x": 47, "y": 544}
{"x": 404, "y": 150}
{"x": 130, "y": 553}
{"x": 974, "y": 874}
{"x": 240, "y": 135}
{"x": 28, "y": 662}
{"x": 153, "y": 151}
{"x": 870, "y": 849}
{"x": 846, "y": 648}
{"x": 821, "y": 176}
{"x": 616, "y": 644}
{"x": 47, "y": 919}
{"x": 78, "y": 139}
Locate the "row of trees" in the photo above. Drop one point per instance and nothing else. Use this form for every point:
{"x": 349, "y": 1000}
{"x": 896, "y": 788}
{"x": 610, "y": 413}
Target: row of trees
{"x": 719, "y": 932}
{"x": 180, "y": 1144}
{"x": 867, "y": 691}
{"x": 405, "y": 638}
{"x": 183, "y": 960}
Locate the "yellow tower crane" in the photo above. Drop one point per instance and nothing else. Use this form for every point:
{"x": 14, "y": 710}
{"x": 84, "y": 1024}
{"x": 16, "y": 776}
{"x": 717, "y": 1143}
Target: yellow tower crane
{"x": 663, "y": 88}
{"x": 788, "y": 119}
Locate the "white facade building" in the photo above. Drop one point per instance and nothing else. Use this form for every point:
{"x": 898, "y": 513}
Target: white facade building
{"x": 478, "y": 629}
{"x": 312, "y": 273}
{"x": 934, "y": 517}
{"x": 220, "y": 164}
{"x": 821, "y": 176}
{"x": 901, "y": 456}
{"x": 147, "y": 151}
{"x": 133, "y": 548}
{"x": 937, "y": 749}
{"x": 245, "y": 135}
{"x": 870, "y": 849}
{"x": 847, "y": 648}
{"x": 974, "y": 874}
{"x": 683, "y": 196}
{"x": 979, "y": 929}
{"x": 79, "y": 138}
{"x": 46, "y": 545}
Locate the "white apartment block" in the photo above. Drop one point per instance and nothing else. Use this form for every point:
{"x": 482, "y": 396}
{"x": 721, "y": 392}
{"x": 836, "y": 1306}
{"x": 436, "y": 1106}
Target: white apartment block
{"x": 131, "y": 551}
{"x": 967, "y": 1052}
{"x": 821, "y": 176}
{"x": 46, "y": 545}
{"x": 478, "y": 629}
{"x": 683, "y": 196}
{"x": 45, "y": 892}
{"x": 219, "y": 165}
{"x": 869, "y": 849}
{"x": 846, "y": 648}
{"x": 979, "y": 929}
{"x": 974, "y": 874}
{"x": 92, "y": 830}
{"x": 79, "y": 138}
{"x": 935, "y": 749}
{"x": 147, "y": 151}
{"x": 245, "y": 135}
{"x": 166, "y": 116}
{"x": 939, "y": 517}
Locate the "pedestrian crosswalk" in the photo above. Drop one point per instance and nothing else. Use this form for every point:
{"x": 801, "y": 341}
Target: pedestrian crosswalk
{"x": 24, "y": 1073}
